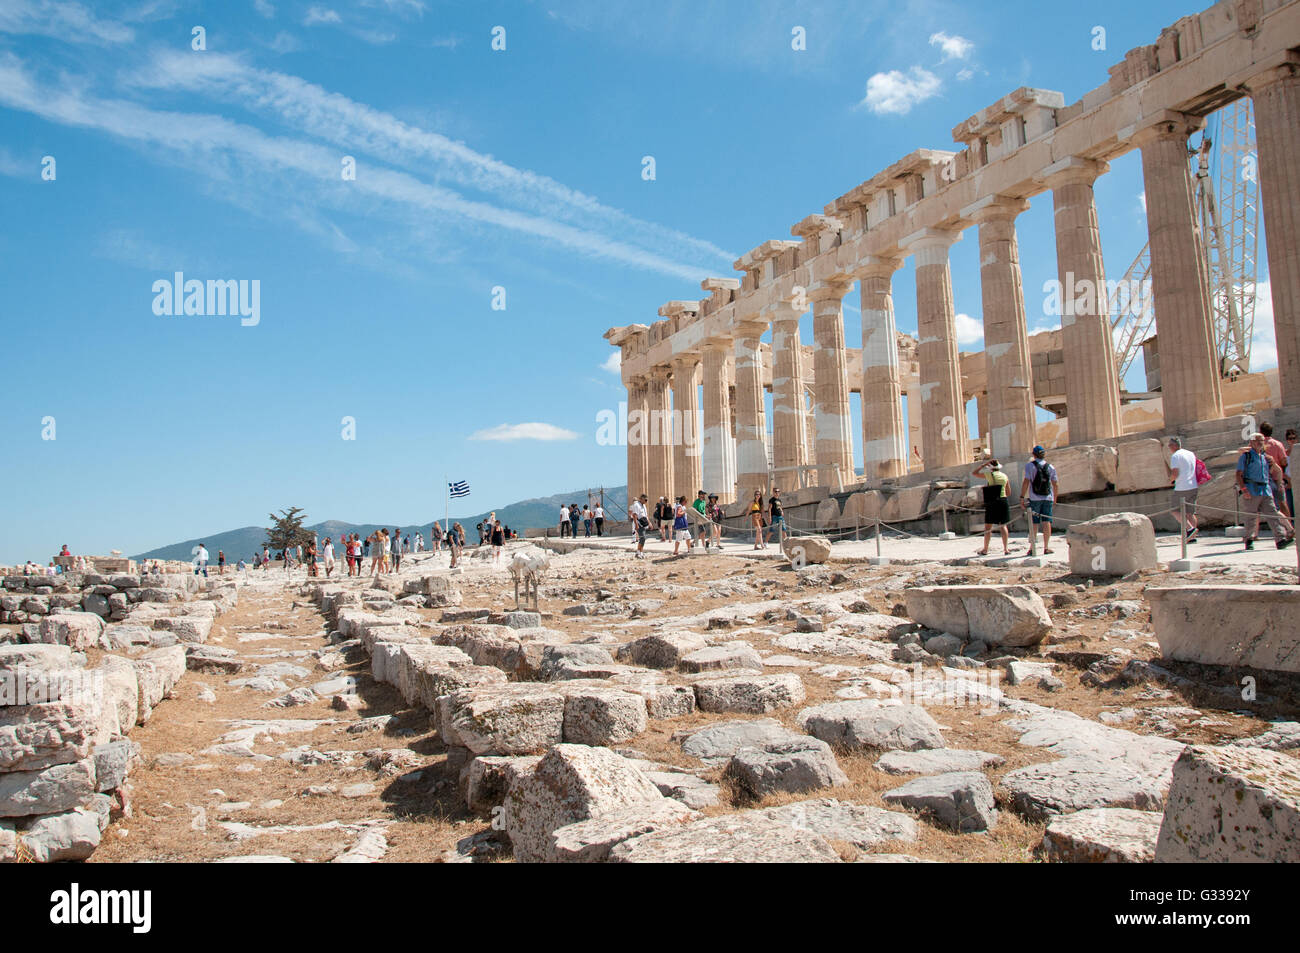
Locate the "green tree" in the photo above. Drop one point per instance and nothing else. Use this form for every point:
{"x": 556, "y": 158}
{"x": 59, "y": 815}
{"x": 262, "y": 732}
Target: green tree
{"x": 286, "y": 530}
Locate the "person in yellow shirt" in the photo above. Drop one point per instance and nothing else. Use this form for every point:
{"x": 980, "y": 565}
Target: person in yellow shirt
{"x": 997, "y": 508}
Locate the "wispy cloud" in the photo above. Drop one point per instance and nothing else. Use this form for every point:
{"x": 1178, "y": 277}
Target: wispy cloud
{"x": 895, "y": 93}
{"x": 529, "y": 431}
{"x": 613, "y": 363}
{"x": 68, "y": 21}
{"x": 321, "y": 15}
{"x": 264, "y": 8}
{"x": 954, "y": 47}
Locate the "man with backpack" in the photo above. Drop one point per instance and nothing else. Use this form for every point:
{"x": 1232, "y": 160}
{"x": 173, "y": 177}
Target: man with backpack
{"x": 1185, "y": 472}
{"x": 1037, "y": 494}
{"x": 1256, "y": 475}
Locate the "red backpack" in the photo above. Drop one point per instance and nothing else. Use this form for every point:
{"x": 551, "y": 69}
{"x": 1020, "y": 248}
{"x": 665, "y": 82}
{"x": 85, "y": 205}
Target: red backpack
{"x": 1202, "y": 473}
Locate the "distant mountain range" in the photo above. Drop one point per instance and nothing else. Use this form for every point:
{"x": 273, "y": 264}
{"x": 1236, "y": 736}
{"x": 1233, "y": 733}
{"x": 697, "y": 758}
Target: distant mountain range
{"x": 526, "y": 514}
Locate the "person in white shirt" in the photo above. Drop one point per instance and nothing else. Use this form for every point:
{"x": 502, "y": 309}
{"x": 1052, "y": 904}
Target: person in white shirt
{"x": 1182, "y": 472}
{"x": 201, "y": 561}
{"x": 640, "y": 523}
{"x": 600, "y": 520}
{"x": 419, "y": 542}
{"x": 329, "y": 556}
{"x": 564, "y": 521}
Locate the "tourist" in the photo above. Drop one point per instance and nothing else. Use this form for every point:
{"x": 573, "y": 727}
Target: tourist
{"x": 1257, "y": 472}
{"x": 1286, "y": 471}
{"x": 201, "y": 561}
{"x": 598, "y": 514}
{"x": 575, "y": 515}
{"x": 419, "y": 542}
{"x": 997, "y": 508}
{"x": 700, "y": 504}
{"x": 756, "y": 520}
{"x": 1277, "y": 453}
{"x": 329, "y": 557}
{"x": 435, "y": 536}
{"x": 640, "y": 523}
{"x": 564, "y": 520}
{"x": 65, "y": 551}
{"x": 681, "y": 527}
{"x": 1038, "y": 492}
{"x": 372, "y": 550}
{"x": 663, "y": 517}
{"x": 456, "y": 543}
{"x": 498, "y": 541}
{"x": 396, "y": 546}
{"x": 776, "y": 516}
{"x": 1181, "y": 469}
{"x": 241, "y": 566}
{"x": 713, "y": 510}
{"x": 587, "y": 519}
{"x": 311, "y": 557}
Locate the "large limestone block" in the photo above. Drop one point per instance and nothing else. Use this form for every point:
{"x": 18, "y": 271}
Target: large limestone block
{"x": 68, "y": 836}
{"x": 793, "y": 767}
{"x": 750, "y": 837}
{"x": 590, "y": 841}
{"x": 724, "y": 657}
{"x": 187, "y": 628}
{"x": 157, "y": 673}
{"x": 1112, "y": 545}
{"x": 661, "y": 650}
{"x": 861, "y": 509}
{"x": 1103, "y": 835}
{"x": 51, "y": 790}
{"x": 497, "y": 645}
{"x": 857, "y": 824}
{"x": 1141, "y": 466}
{"x": 415, "y": 658}
{"x": 999, "y": 615}
{"x": 1241, "y": 626}
{"x": 717, "y": 743}
{"x": 485, "y": 780}
{"x": 571, "y": 783}
{"x": 601, "y": 715}
{"x": 752, "y": 694}
{"x": 961, "y": 801}
{"x": 1084, "y": 469}
{"x": 868, "y": 724}
{"x": 828, "y": 514}
{"x": 806, "y": 550}
{"x": 907, "y": 503}
{"x": 502, "y": 719}
{"x": 1042, "y": 791}
{"x": 77, "y": 630}
{"x": 121, "y": 697}
{"x": 1232, "y": 805}
{"x": 33, "y": 737}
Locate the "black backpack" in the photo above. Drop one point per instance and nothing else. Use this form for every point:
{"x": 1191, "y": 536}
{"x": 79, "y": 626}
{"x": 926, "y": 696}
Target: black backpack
{"x": 1042, "y": 482}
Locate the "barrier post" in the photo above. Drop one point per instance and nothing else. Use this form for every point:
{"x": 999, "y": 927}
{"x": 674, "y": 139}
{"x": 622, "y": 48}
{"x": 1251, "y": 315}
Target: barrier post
{"x": 1182, "y": 521}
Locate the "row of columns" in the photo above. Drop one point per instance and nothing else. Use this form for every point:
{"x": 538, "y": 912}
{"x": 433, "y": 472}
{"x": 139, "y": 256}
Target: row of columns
{"x": 1189, "y": 370}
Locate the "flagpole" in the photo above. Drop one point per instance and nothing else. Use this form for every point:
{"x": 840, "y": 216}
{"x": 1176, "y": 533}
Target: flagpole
{"x": 446, "y": 512}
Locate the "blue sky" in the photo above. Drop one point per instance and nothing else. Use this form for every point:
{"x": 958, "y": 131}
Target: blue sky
{"x": 475, "y": 169}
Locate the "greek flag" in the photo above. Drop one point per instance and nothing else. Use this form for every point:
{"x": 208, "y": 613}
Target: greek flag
{"x": 459, "y": 488}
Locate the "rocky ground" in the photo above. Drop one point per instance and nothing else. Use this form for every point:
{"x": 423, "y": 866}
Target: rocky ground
{"x": 283, "y": 745}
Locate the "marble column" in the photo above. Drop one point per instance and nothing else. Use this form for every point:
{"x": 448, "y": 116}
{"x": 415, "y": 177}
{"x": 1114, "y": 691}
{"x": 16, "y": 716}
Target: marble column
{"x": 719, "y": 462}
{"x": 1180, "y": 281}
{"x": 789, "y": 440}
{"x": 1009, "y": 404}
{"x": 831, "y": 387}
{"x": 1276, "y": 96}
{"x": 686, "y": 426}
{"x": 944, "y": 440}
{"x": 1091, "y": 382}
{"x": 659, "y": 457}
{"x": 884, "y": 432}
{"x": 636, "y": 438}
{"x": 751, "y": 427}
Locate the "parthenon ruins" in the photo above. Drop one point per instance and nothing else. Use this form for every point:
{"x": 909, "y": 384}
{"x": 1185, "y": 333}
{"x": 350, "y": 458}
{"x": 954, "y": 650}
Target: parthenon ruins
{"x": 1028, "y": 143}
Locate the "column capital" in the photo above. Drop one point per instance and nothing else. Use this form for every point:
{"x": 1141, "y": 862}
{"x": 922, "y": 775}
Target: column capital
{"x": 685, "y": 360}
{"x": 1166, "y": 124}
{"x": 658, "y": 374}
{"x": 874, "y": 266}
{"x": 1070, "y": 171}
{"x": 993, "y": 208}
{"x": 723, "y": 344}
{"x": 928, "y": 238}
{"x": 784, "y": 309}
{"x": 829, "y": 291}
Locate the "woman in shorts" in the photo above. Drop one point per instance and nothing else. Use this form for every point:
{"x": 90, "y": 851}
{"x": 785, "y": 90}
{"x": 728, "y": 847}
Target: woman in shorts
{"x": 681, "y": 527}
{"x": 756, "y": 520}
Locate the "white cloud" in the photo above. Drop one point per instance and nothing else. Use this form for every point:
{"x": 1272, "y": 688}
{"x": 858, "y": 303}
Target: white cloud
{"x": 65, "y": 21}
{"x": 895, "y": 93}
{"x": 264, "y": 8}
{"x": 964, "y": 75}
{"x": 613, "y": 363}
{"x": 531, "y": 431}
{"x": 320, "y": 15}
{"x": 969, "y": 330}
{"x": 1142, "y": 201}
{"x": 1263, "y": 342}
{"x": 954, "y": 47}
{"x": 285, "y": 43}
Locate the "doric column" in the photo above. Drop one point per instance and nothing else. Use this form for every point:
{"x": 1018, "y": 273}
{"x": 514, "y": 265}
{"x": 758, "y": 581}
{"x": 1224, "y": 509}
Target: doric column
{"x": 636, "y": 438}
{"x": 944, "y": 440}
{"x": 659, "y": 457}
{"x": 719, "y": 463}
{"x": 884, "y": 433}
{"x": 1276, "y": 95}
{"x": 1091, "y": 383}
{"x": 789, "y": 440}
{"x": 1180, "y": 283}
{"x": 751, "y": 428}
{"x": 1009, "y": 404}
{"x": 686, "y": 426}
{"x": 831, "y": 387}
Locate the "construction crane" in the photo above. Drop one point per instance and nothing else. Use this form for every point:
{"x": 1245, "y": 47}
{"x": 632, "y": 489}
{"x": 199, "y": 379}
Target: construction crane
{"x": 1227, "y": 202}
